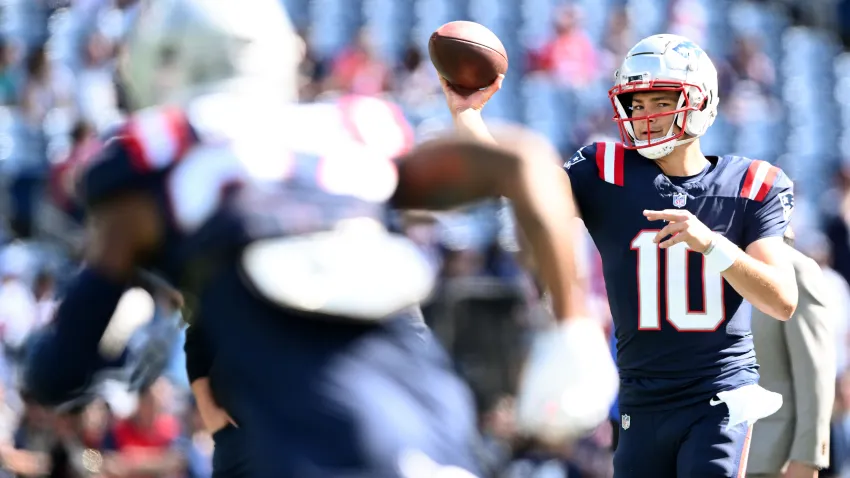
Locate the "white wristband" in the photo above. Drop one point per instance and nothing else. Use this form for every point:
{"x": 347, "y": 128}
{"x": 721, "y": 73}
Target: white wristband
{"x": 721, "y": 254}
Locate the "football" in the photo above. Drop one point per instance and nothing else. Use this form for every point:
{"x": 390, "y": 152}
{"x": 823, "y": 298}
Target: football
{"x": 468, "y": 55}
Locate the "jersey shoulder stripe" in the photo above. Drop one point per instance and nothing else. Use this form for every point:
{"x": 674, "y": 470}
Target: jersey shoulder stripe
{"x": 609, "y": 162}
{"x": 156, "y": 138}
{"x": 377, "y": 124}
{"x": 758, "y": 180}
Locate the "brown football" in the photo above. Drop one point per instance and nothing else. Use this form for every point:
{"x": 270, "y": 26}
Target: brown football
{"x": 468, "y": 55}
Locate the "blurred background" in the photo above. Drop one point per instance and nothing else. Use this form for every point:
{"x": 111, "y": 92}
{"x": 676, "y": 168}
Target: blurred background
{"x": 785, "y": 97}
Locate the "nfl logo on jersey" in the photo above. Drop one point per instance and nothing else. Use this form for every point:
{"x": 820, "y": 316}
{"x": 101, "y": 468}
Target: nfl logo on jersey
{"x": 679, "y": 199}
{"x": 626, "y": 421}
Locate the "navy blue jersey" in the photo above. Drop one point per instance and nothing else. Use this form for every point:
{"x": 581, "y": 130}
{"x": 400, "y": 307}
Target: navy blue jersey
{"x": 683, "y": 333}
{"x": 314, "y": 396}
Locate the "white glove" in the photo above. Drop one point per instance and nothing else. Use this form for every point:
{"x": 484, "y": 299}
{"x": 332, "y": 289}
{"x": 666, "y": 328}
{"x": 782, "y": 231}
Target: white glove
{"x": 569, "y": 383}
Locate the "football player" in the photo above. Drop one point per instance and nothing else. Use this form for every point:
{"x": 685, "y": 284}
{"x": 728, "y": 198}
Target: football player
{"x": 689, "y": 243}
{"x": 271, "y": 218}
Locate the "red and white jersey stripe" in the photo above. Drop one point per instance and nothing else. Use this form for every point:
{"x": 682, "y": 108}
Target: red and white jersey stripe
{"x": 157, "y": 137}
{"x": 609, "y": 160}
{"x": 343, "y": 147}
{"x": 376, "y": 124}
{"x": 758, "y": 181}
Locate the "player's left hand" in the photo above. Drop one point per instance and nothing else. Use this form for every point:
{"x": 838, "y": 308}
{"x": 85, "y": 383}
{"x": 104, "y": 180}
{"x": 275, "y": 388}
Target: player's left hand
{"x": 684, "y": 227}
{"x": 800, "y": 470}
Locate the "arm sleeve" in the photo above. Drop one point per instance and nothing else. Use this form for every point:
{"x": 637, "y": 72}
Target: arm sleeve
{"x": 66, "y": 356}
{"x": 771, "y": 216}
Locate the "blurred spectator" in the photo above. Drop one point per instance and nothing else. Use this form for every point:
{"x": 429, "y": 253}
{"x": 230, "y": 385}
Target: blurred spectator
{"x": 748, "y": 104}
{"x": 688, "y": 18}
{"x": 44, "y": 292}
{"x": 95, "y": 423}
{"x": 313, "y": 70}
{"x": 63, "y": 174}
{"x": 33, "y": 441}
{"x": 18, "y": 309}
{"x": 8, "y": 80}
{"x": 618, "y": 39}
{"x": 47, "y": 86}
{"x": 145, "y": 444}
{"x": 416, "y": 85}
{"x": 8, "y": 418}
{"x": 749, "y": 62}
{"x": 358, "y": 70}
{"x": 96, "y": 96}
{"x": 837, "y": 225}
{"x": 571, "y": 56}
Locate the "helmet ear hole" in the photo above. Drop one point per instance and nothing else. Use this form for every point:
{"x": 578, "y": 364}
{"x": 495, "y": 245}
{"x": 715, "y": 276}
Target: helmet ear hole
{"x": 706, "y": 101}
{"x": 695, "y": 97}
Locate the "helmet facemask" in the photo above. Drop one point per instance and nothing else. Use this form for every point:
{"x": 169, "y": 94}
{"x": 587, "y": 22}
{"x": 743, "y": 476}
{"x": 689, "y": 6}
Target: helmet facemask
{"x": 690, "y": 102}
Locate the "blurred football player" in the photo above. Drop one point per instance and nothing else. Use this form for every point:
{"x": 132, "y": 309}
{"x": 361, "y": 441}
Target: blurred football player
{"x": 271, "y": 218}
{"x": 688, "y": 244}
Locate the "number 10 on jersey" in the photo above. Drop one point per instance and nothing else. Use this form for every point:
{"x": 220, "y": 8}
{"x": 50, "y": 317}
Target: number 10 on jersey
{"x": 679, "y": 310}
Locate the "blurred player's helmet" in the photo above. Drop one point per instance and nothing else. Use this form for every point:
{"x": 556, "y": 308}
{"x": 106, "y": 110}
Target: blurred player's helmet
{"x": 666, "y": 63}
{"x": 182, "y": 48}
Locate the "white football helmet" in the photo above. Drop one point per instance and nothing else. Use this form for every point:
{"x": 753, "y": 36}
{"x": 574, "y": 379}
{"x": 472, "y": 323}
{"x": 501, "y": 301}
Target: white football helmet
{"x": 666, "y": 63}
{"x": 179, "y": 49}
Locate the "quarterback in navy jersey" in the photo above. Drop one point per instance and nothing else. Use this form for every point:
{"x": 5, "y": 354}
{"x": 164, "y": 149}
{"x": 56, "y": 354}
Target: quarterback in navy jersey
{"x": 744, "y": 200}
{"x": 689, "y": 243}
{"x": 272, "y": 219}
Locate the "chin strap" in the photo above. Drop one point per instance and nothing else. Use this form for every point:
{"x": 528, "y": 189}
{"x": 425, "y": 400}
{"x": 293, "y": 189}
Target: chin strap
{"x": 680, "y": 142}
{"x": 665, "y": 149}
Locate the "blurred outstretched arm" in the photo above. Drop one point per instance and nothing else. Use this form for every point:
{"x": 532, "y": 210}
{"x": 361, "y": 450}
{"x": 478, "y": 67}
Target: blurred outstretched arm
{"x": 524, "y": 168}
